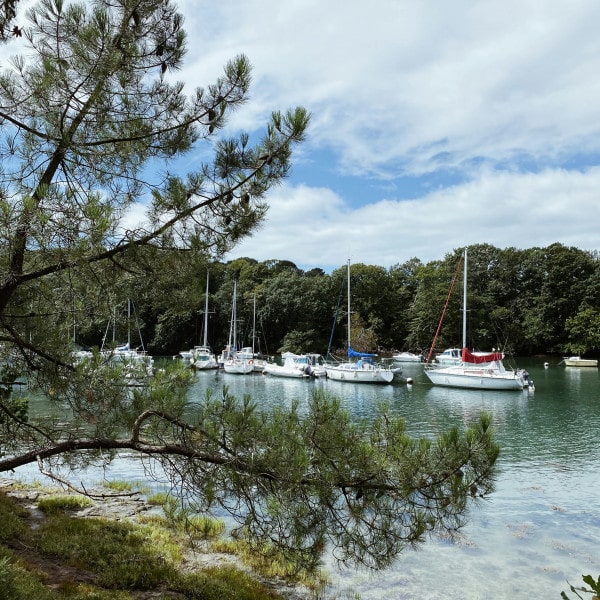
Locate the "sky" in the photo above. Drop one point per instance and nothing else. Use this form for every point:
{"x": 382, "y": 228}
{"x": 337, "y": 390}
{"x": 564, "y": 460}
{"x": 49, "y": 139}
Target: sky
{"x": 435, "y": 124}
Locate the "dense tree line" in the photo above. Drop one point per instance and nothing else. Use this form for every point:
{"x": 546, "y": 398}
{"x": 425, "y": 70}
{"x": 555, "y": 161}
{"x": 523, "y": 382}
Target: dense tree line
{"x": 537, "y": 300}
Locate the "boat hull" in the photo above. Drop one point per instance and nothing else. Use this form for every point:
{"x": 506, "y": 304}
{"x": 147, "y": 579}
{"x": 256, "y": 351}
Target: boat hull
{"x": 204, "y": 364}
{"x": 238, "y": 367}
{"x": 407, "y": 357}
{"x": 277, "y": 371}
{"x": 353, "y": 374}
{"x": 477, "y": 379}
{"x": 576, "y": 361}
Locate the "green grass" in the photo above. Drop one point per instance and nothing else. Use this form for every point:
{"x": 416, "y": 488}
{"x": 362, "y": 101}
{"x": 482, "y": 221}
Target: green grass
{"x": 52, "y": 505}
{"x": 119, "y": 558}
{"x": 223, "y": 583}
{"x": 125, "y": 486}
{"x": 11, "y": 518}
{"x": 197, "y": 527}
{"x": 122, "y": 554}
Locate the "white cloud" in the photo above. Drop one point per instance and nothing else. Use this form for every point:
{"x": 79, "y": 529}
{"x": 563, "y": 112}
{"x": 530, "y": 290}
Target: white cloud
{"x": 398, "y": 83}
{"x": 504, "y": 96}
{"x": 316, "y": 228}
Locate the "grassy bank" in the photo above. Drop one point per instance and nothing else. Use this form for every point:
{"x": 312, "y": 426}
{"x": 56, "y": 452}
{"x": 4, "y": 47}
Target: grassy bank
{"x": 52, "y": 547}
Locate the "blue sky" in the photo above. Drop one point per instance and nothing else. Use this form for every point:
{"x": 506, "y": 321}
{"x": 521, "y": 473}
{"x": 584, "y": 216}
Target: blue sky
{"x": 434, "y": 124}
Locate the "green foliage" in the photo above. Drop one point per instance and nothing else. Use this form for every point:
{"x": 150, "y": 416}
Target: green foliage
{"x": 11, "y": 518}
{"x": 182, "y": 519}
{"x": 310, "y": 478}
{"x": 593, "y": 589}
{"x": 90, "y": 95}
{"x": 223, "y": 583}
{"x": 52, "y": 505}
{"x": 115, "y": 556}
{"x": 124, "y": 556}
{"x": 583, "y": 330}
{"x": 17, "y": 584}
{"x": 519, "y": 300}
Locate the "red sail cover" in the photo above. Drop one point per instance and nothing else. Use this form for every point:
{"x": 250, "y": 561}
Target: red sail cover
{"x": 477, "y": 359}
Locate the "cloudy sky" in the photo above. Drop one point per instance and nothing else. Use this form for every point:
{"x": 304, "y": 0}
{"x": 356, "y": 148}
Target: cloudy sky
{"x": 434, "y": 124}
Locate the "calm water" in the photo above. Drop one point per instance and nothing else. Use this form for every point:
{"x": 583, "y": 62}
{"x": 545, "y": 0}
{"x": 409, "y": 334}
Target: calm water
{"x": 542, "y": 525}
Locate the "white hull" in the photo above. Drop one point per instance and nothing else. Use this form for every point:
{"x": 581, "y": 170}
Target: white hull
{"x": 135, "y": 364}
{"x": 238, "y": 367}
{"x": 204, "y": 363}
{"x": 202, "y": 358}
{"x": 353, "y": 374}
{"x": 473, "y": 378}
{"x": 296, "y": 366}
{"x": 577, "y": 361}
{"x": 407, "y": 357}
{"x": 247, "y": 354}
{"x": 283, "y": 371}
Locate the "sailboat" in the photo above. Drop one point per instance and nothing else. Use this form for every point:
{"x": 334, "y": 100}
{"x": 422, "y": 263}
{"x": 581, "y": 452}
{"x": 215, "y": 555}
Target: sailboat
{"x": 202, "y": 357}
{"x": 361, "y": 370}
{"x": 479, "y": 370}
{"x": 249, "y": 353}
{"x": 233, "y": 361}
{"x": 137, "y": 363}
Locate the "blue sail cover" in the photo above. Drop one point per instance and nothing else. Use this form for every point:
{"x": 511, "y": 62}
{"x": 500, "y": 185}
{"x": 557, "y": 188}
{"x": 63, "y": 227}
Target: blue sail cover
{"x": 354, "y": 354}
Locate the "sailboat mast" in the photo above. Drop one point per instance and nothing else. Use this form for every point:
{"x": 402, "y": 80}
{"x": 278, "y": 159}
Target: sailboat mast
{"x": 206, "y": 314}
{"x": 348, "y": 303}
{"x": 464, "y": 330}
{"x": 128, "y": 324}
{"x": 253, "y": 324}
{"x": 235, "y": 316}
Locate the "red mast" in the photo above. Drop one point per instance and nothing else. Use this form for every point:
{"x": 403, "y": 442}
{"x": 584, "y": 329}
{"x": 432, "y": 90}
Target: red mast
{"x": 437, "y": 333}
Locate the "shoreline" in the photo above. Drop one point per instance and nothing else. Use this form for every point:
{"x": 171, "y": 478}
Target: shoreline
{"x": 128, "y": 507}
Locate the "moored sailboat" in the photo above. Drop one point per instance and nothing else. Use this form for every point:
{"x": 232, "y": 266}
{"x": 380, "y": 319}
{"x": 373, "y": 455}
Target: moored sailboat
{"x": 202, "y": 357}
{"x": 136, "y": 362}
{"x": 484, "y": 371}
{"x": 235, "y": 362}
{"x": 297, "y": 366}
{"x": 361, "y": 370}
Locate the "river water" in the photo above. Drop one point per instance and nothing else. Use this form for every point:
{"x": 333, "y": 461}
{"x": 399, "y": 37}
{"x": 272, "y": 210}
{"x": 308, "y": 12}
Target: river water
{"x": 540, "y": 528}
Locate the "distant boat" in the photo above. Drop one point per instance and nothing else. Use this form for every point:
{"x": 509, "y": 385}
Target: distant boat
{"x": 577, "y": 361}
{"x": 484, "y": 371}
{"x": 256, "y": 359}
{"x": 450, "y": 356}
{"x": 232, "y": 362}
{"x": 136, "y": 362}
{"x": 407, "y": 357}
{"x": 296, "y": 366}
{"x": 202, "y": 357}
{"x": 361, "y": 370}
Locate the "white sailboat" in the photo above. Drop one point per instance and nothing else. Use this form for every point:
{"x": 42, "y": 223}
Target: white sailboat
{"x": 235, "y": 362}
{"x": 136, "y": 362}
{"x": 482, "y": 371}
{"x": 249, "y": 353}
{"x": 202, "y": 357}
{"x": 361, "y": 370}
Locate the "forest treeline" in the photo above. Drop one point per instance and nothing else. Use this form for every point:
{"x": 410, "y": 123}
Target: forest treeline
{"x": 537, "y": 300}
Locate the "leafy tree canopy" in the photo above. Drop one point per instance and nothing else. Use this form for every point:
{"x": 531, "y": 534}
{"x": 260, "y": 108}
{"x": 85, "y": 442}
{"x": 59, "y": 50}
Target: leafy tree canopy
{"x": 91, "y": 119}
